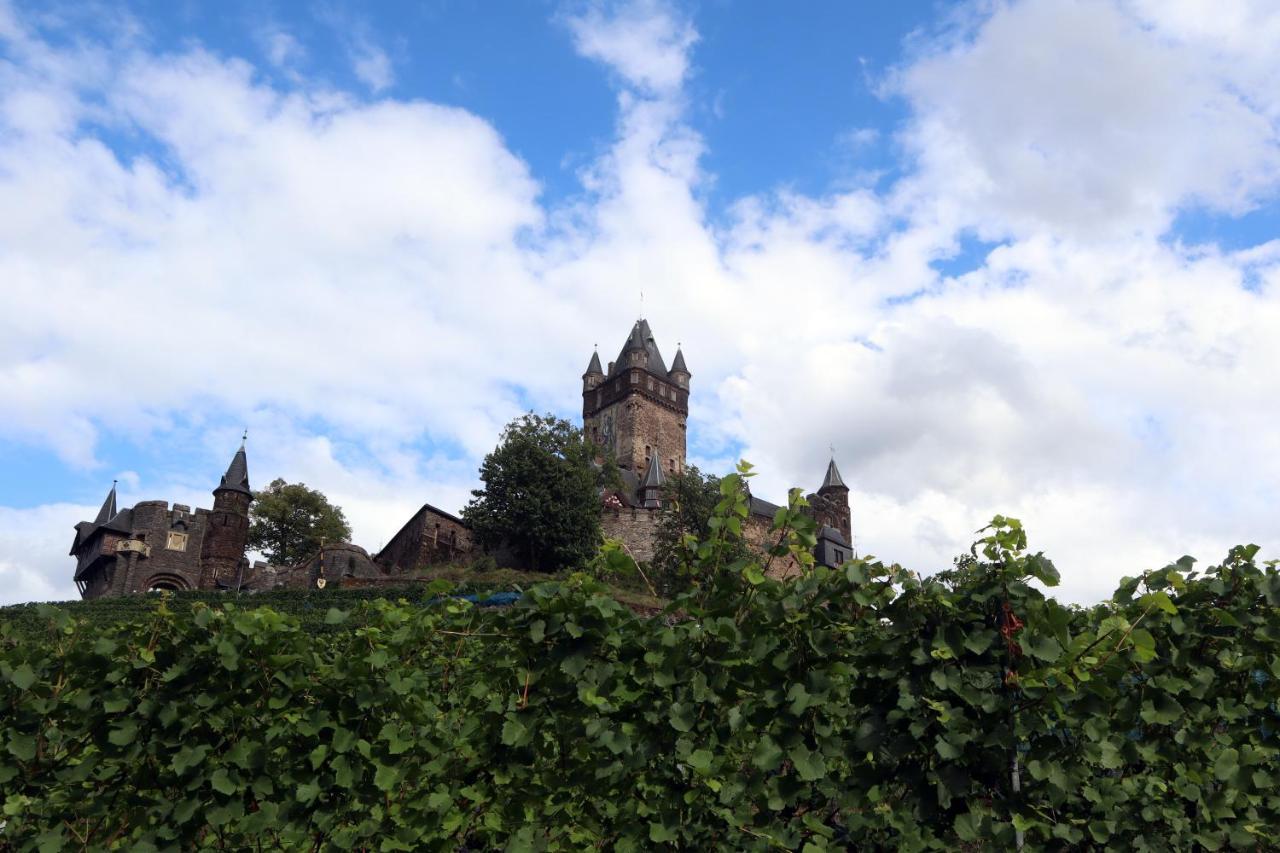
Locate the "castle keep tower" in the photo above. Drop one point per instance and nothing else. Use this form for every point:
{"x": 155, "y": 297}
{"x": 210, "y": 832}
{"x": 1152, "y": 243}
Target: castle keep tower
{"x": 638, "y": 410}
{"x": 228, "y": 530}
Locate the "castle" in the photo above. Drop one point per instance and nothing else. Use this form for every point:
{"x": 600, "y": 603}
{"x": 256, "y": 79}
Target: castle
{"x": 636, "y": 410}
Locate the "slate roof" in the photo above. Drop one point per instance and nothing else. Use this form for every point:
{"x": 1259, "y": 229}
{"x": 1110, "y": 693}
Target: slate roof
{"x": 833, "y": 478}
{"x": 653, "y": 476}
{"x": 763, "y": 508}
{"x": 833, "y": 535}
{"x": 594, "y": 366}
{"x": 108, "y": 510}
{"x": 677, "y": 366}
{"x": 641, "y": 338}
{"x": 108, "y": 518}
{"x": 237, "y": 477}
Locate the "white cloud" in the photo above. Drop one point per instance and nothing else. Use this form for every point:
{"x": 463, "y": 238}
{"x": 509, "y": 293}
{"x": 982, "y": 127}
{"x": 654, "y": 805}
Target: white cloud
{"x": 646, "y": 42}
{"x": 372, "y": 65}
{"x": 355, "y": 279}
{"x": 282, "y": 48}
{"x": 1081, "y": 118}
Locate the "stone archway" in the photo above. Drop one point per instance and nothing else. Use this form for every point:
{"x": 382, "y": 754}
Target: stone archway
{"x": 167, "y": 583}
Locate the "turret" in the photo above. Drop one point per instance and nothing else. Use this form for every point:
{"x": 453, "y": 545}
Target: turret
{"x": 228, "y": 533}
{"x": 651, "y": 486}
{"x": 832, "y": 504}
{"x": 679, "y": 374}
{"x": 594, "y": 375}
{"x": 833, "y": 483}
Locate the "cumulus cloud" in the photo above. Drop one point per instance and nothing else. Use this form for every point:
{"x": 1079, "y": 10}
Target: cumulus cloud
{"x": 1090, "y": 119}
{"x": 376, "y": 287}
{"x": 645, "y": 42}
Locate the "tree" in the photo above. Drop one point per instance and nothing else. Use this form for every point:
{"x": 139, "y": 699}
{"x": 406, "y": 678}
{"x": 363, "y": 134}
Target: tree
{"x": 288, "y": 522}
{"x": 540, "y": 496}
{"x": 690, "y": 498}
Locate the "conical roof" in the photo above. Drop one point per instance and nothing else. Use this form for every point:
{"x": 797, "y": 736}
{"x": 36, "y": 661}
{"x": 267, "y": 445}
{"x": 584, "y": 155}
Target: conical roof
{"x": 641, "y": 338}
{"x": 833, "y": 478}
{"x": 677, "y": 366}
{"x": 594, "y": 367}
{"x": 108, "y": 510}
{"x": 237, "y": 477}
{"x": 652, "y": 475}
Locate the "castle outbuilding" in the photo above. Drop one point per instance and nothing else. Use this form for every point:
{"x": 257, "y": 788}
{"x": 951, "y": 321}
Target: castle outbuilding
{"x": 152, "y": 546}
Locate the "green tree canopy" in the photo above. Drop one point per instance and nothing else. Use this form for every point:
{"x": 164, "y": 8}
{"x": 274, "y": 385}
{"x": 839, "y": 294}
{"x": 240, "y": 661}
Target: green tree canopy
{"x": 540, "y": 495}
{"x": 288, "y": 522}
{"x": 690, "y": 499}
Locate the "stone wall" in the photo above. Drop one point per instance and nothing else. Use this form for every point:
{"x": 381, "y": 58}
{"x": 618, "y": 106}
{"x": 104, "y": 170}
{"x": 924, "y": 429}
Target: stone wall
{"x": 225, "y": 539}
{"x": 635, "y": 528}
{"x": 758, "y": 536}
{"x": 832, "y": 509}
{"x": 173, "y": 561}
{"x": 635, "y": 413}
{"x": 431, "y": 537}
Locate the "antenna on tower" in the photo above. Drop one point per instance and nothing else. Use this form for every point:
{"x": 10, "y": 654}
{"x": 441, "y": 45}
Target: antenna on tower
{"x": 642, "y": 305}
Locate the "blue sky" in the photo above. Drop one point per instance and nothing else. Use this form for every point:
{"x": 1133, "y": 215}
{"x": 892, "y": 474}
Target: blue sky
{"x": 1013, "y": 257}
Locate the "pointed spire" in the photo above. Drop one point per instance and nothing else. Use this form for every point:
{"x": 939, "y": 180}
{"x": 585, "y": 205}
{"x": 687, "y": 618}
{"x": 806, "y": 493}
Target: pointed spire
{"x": 651, "y": 486}
{"x": 108, "y": 510}
{"x": 652, "y": 475}
{"x": 678, "y": 366}
{"x": 594, "y": 367}
{"x": 237, "y": 477}
{"x": 833, "y": 480}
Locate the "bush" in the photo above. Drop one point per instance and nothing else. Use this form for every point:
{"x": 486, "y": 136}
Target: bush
{"x": 854, "y": 707}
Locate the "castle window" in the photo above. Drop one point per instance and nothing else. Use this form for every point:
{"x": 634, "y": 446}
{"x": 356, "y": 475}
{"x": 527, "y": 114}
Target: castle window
{"x": 839, "y": 555}
{"x": 176, "y": 541}
{"x": 650, "y": 384}
{"x": 635, "y": 378}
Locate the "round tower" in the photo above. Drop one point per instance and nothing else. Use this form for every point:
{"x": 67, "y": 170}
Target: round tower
{"x": 228, "y": 531}
{"x": 835, "y": 504}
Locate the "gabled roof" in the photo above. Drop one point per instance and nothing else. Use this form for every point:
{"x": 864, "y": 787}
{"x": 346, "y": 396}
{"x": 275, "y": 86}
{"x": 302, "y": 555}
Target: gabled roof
{"x": 762, "y": 507}
{"x": 833, "y": 535}
{"x": 121, "y": 522}
{"x": 107, "y": 519}
{"x": 833, "y": 478}
{"x": 641, "y": 338}
{"x": 237, "y": 477}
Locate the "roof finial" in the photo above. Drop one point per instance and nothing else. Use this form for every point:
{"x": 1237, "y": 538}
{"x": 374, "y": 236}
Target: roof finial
{"x": 642, "y": 305}
{"x": 244, "y": 438}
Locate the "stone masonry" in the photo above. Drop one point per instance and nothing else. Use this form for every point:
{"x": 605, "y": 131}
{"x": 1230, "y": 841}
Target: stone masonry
{"x": 636, "y": 410}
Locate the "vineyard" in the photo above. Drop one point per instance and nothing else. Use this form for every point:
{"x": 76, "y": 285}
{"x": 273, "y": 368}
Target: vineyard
{"x": 861, "y": 707}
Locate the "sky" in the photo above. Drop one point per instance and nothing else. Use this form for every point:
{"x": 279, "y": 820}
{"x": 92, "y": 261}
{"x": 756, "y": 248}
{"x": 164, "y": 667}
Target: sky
{"x": 1017, "y": 257}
